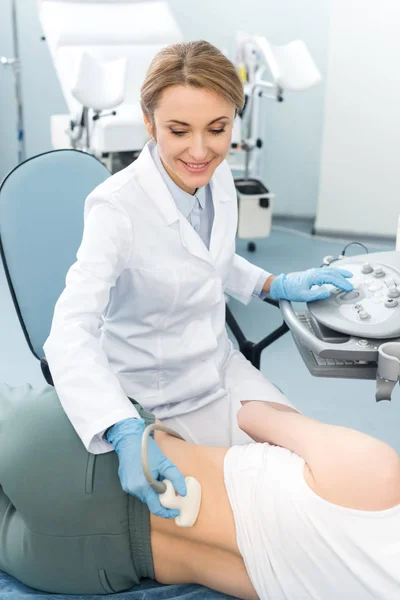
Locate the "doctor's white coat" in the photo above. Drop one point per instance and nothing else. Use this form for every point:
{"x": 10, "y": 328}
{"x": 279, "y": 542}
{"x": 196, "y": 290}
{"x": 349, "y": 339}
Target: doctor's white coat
{"x": 143, "y": 311}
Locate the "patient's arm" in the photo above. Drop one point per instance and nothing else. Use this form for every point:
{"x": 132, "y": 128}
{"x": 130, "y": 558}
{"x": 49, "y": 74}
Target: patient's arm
{"x": 348, "y": 467}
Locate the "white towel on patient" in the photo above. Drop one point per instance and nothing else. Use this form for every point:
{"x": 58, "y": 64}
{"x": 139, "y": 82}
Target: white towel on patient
{"x": 297, "y": 546}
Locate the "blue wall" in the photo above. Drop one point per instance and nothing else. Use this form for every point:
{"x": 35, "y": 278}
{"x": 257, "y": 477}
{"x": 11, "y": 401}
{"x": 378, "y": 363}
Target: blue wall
{"x": 291, "y": 131}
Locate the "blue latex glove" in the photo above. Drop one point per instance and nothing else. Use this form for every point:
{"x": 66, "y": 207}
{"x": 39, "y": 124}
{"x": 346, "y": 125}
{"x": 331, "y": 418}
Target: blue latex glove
{"x": 296, "y": 287}
{"x": 126, "y": 437}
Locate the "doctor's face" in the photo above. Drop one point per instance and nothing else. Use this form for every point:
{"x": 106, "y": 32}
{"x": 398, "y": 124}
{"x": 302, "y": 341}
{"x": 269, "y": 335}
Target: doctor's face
{"x": 193, "y": 130}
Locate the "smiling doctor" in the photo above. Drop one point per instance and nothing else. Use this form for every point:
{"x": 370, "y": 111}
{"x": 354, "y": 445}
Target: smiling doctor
{"x": 142, "y": 316}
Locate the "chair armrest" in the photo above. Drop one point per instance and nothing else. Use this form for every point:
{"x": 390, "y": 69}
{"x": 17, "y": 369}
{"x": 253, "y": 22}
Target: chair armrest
{"x": 252, "y": 351}
{"x": 44, "y": 365}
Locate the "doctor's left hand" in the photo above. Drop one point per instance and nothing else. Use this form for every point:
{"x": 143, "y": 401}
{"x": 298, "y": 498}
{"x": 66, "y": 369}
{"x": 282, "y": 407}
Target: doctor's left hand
{"x": 126, "y": 437}
{"x": 296, "y": 287}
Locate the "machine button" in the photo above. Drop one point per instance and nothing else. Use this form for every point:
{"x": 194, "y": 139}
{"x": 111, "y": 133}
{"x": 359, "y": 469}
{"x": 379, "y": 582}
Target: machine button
{"x": 379, "y": 272}
{"x": 320, "y": 361}
{"x": 374, "y": 287}
{"x": 353, "y": 295}
{"x": 363, "y": 343}
{"x": 391, "y": 303}
{"x": 366, "y": 268}
{"x": 364, "y": 315}
{"x": 393, "y": 292}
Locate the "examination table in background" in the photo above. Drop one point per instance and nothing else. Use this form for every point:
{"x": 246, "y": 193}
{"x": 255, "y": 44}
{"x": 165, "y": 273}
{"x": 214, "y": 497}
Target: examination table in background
{"x": 41, "y": 203}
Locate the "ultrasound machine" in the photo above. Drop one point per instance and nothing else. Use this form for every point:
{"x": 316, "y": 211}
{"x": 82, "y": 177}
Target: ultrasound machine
{"x": 354, "y": 334}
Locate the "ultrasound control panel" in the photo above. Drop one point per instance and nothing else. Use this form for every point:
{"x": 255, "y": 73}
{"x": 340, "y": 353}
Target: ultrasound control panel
{"x": 372, "y": 309}
{"x": 354, "y": 334}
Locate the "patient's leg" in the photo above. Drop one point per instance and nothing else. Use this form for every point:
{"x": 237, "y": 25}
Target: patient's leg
{"x": 346, "y": 467}
{"x": 67, "y": 528}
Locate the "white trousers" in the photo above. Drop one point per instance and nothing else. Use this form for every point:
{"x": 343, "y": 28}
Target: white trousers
{"x": 216, "y": 423}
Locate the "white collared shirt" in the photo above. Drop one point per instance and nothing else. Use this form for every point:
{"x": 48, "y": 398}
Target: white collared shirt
{"x": 198, "y": 209}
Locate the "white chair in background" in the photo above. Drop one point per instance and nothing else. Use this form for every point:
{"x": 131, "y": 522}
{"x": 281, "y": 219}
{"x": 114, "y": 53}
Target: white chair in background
{"x": 101, "y": 51}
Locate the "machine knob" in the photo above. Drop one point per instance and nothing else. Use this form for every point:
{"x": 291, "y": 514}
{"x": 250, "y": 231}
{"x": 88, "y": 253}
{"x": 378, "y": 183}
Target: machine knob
{"x": 366, "y": 268}
{"x": 379, "y": 272}
{"x": 391, "y": 303}
{"x": 393, "y": 292}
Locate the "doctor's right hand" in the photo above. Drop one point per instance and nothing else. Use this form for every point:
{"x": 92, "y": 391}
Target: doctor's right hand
{"x": 126, "y": 437}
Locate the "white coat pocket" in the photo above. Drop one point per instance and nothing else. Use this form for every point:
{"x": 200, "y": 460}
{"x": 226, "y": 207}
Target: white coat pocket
{"x": 142, "y": 386}
{"x": 190, "y": 364}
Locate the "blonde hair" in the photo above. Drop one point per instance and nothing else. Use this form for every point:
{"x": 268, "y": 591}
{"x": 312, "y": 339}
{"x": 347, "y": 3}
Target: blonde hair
{"x": 198, "y": 64}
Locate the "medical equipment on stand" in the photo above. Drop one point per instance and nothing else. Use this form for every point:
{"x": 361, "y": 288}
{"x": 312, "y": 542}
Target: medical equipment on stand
{"x": 101, "y": 51}
{"x": 291, "y": 68}
{"x": 354, "y": 334}
{"x": 15, "y": 64}
{"x": 189, "y": 505}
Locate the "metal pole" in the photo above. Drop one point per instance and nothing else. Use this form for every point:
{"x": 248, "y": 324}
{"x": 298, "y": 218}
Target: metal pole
{"x": 18, "y": 87}
{"x": 14, "y": 63}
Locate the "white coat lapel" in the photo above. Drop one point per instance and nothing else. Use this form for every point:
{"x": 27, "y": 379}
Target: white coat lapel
{"x": 192, "y": 241}
{"x": 222, "y": 225}
{"x": 153, "y": 185}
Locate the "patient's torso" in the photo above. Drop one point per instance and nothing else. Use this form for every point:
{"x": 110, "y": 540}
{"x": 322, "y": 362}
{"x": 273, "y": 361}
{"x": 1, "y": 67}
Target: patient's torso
{"x": 207, "y": 553}
{"x": 297, "y": 545}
